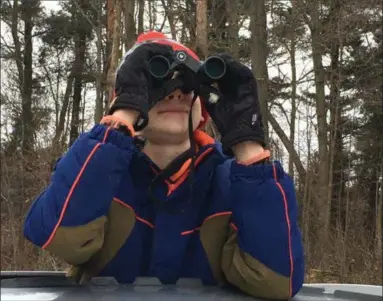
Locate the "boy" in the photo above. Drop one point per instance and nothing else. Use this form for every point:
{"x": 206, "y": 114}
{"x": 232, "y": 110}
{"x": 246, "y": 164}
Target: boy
{"x": 172, "y": 205}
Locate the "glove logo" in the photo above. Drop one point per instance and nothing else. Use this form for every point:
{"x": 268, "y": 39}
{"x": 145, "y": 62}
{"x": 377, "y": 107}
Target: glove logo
{"x": 254, "y": 119}
{"x": 175, "y": 74}
{"x": 213, "y": 98}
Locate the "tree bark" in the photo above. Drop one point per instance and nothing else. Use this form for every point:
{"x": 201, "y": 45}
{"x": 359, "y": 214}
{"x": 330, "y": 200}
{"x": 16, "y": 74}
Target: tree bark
{"x": 141, "y": 9}
{"x": 130, "y": 24}
{"x": 27, "y": 117}
{"x": 189, "y": 23}
{"x": 259, "y": 57}
{"x": 289, "y": 146}
{"x": 98, "y": 110}
{"x": 16, "y": 42}
{"x": 336, "y": 194}
{"x": 64, "y": 110}
{"x": 378, "y": 210}
{"x": 80, "y": 49}
{"x": 115, "y": 54}
{"x": 169, "y": 10}
{"x": 233, "y": 27}
{"x": 201, "y": 29}
{"x": 323, "y": 177}
{"x": 293, "y": 82}
{"x": 111, "y": 15}
{"x": 218, "y": 34}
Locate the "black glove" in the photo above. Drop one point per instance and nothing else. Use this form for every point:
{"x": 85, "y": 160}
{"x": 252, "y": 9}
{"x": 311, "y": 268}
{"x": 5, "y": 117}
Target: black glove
{"x": 135, "y": 88}
{"x": 234, "y": 106}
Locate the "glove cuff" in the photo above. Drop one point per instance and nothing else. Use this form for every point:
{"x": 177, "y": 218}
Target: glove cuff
{"x": 118, "y": 124}
{"x": 237, "y": 136}
{"x": 134, "y": 100}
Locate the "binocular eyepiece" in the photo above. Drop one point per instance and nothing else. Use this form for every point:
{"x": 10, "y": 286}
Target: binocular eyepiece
{"x": 212, "y": 69}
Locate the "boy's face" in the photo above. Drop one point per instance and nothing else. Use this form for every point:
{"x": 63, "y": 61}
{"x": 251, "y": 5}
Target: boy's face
{"x": 168, "y": 119}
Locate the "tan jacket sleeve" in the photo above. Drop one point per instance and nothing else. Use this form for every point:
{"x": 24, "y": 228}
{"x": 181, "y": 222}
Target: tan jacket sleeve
{"x": 250, "y": 275}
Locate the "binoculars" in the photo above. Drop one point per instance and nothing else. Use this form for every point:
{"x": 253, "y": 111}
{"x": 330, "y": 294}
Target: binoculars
{"x": 207, "y": 72}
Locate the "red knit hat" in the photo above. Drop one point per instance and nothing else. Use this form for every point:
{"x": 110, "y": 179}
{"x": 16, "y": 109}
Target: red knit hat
{"x": 160, "y": 38}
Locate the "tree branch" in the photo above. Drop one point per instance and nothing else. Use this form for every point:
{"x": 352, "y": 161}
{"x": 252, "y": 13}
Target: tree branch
{"x": 289, "y": 146}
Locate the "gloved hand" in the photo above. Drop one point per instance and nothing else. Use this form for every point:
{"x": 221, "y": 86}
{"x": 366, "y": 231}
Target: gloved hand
{"x": 135, "y": 88}
{"x": 234, "y": 106}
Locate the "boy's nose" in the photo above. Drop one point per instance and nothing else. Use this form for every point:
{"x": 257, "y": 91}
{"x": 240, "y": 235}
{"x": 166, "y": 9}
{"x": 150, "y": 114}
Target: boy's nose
{"x": 176, "y": 95}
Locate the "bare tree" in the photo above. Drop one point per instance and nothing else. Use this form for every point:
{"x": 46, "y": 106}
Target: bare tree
{"x": 233, "y": 26}
{"x": 116, "y": 42}
{"x": 80, "y": 50}
{"x": 141, "y": 10}
{"x": 259, "y": 56}
{"x": 98, "y": 111}
{"x": 201, "y": 28}
{"x": 130, "y": 24}
{"x": 315, "y": 25}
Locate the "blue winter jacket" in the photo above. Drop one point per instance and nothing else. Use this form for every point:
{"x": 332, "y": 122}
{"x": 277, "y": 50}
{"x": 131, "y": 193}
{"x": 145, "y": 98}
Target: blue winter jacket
{"x": 233, "y": 224}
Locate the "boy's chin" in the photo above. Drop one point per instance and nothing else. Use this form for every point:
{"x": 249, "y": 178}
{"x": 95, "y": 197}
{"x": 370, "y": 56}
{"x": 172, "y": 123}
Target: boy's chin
{"x": 172, "y": 126}
{"x": 173, "y": 130}
{"x": 169, "y": 133}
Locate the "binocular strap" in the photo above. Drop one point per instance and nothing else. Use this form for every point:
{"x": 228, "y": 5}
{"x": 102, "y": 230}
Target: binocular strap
{"x": 174, "y": 166}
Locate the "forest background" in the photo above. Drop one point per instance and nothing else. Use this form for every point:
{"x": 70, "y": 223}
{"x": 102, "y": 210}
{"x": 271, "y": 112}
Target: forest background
{"x": 318, "y": 64}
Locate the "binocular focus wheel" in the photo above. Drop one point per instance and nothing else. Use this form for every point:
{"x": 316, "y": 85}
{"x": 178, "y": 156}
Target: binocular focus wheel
{"x": 181, "y": 56}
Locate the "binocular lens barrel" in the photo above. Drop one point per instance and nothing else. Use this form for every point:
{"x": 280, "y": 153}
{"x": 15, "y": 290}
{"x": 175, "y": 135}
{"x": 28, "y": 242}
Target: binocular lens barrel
{"x": 159, "y": 66}
{"x": 214, "y": 67}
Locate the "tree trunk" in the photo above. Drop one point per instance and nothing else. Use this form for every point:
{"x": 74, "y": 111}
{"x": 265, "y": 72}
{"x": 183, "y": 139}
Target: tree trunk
{"x": 67, "y": 125}
{"x": 83, "y": 105}
{"x": 189, "y": 22}
{"x": 110, "y": 24}
{"x": 306, "y": 202}
{"x": 130, "y": 24}
{"x": 289, "y": 147}
{"x": 115, "y": 54}
{"x": 98, "y": 110}
{"x": 378, "y": 211}
{"x": 57, "y": 145}
{"x": 16, "y": 42}
{"x": 233, "y": 27}
{"x": 201, "y": 29}
{"x": 141, "y": 9}
{"x": 218, "y": 15}
{"x": 169, "y": 10}
{"x": 259, "y": 57}
{"x": 80, "y": 49}
{"x": 336, "y": 142}
{"x": 323, "y": 177}
{"x": 293, "y": 83}
{"x": 27, "y": 117}
{"x": 111, "y": 15}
